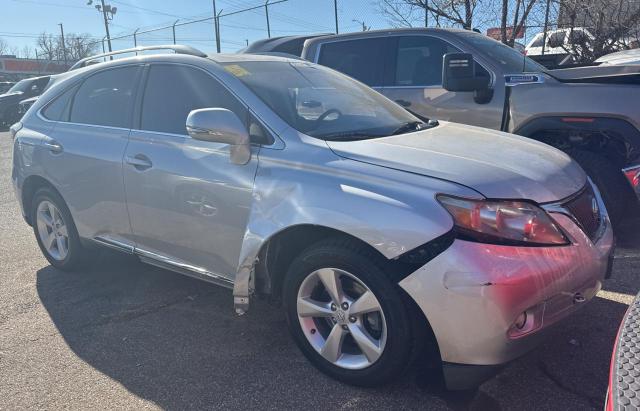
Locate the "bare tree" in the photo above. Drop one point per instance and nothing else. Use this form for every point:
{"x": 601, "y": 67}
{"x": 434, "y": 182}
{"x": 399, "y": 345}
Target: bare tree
{"x": 599, "y": 27}
{"x": 450, "y": 12}
{"x": 4, "y": 46}
{"x": 76, "y": 46}
{"x": 47, "y": 46}
{"x": 521, "y": 13}
{"x": 79, "y": 46}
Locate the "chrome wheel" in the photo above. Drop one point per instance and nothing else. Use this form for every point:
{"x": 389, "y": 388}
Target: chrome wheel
{"x": 52, "y": 230}
{"x": 341, "y": 318}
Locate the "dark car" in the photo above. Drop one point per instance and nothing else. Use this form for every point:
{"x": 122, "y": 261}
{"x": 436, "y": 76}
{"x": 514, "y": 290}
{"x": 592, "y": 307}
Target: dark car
{"x": 287, "y": 44}
{"x": 5, "y": 85}
{"x": 22, "y": 90}
{"x": 624, "y": 378}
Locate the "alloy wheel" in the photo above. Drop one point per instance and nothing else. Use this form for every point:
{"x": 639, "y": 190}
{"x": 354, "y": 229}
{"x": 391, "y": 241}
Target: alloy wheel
{"x": 341, "y": 318}
{"x": 52, "y": 230}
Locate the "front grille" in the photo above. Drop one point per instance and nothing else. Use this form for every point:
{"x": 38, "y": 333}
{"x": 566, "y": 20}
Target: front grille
{"x": 586, "y": 211}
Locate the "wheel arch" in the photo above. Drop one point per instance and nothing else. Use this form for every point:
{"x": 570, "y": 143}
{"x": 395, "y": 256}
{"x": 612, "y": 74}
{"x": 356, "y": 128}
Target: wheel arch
{"x": 616, "y": 138}
{"x": 275, "y": 256}
{"x": 279, "y": 250}
{"x": 29, "y": 188}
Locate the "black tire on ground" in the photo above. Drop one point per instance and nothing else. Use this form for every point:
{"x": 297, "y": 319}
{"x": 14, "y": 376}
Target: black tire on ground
{"x": 615, "y": 190}
{"x": 405, "y": 332}
{"x": 77, "y": 255}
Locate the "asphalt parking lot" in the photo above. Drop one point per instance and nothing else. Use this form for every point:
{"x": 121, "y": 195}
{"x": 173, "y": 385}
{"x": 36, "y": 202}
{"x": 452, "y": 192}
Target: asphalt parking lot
{"x": 130, "y": 336}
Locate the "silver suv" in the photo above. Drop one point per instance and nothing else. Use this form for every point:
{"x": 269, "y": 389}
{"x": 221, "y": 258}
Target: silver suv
{"x": 383, "y": 237}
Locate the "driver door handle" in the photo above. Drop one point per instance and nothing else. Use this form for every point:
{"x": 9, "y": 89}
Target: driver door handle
{"x": 139, "y": 161}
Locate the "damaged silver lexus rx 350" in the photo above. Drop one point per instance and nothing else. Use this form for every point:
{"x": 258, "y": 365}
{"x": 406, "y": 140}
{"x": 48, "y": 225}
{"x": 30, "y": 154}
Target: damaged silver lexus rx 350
{"x": 382, "y": 236}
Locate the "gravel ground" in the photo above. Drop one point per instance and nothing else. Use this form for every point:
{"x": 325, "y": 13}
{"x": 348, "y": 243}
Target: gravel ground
{"x": 129, "y": 336}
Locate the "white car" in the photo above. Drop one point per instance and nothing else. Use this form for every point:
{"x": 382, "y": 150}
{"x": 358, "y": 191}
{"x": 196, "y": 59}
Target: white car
{"x": 558, "y": 41}
{"x": 620, "y": 58}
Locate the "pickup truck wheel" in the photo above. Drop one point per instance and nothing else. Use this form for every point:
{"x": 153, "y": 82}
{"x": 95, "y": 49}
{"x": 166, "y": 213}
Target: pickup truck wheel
{"x": 346, "y": 316}
{"x": 56, "y": 232}
{"x": 610, "y": 181}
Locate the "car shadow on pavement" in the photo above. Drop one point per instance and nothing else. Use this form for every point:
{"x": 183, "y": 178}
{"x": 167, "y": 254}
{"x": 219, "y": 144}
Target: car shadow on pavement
{"x": 176, "y": 342}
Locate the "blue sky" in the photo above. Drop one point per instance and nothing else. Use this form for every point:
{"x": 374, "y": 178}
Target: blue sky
{"x": 22, "y": 20}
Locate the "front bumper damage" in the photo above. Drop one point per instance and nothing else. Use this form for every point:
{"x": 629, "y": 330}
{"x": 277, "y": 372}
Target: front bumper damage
{"x": 473, "y": 294}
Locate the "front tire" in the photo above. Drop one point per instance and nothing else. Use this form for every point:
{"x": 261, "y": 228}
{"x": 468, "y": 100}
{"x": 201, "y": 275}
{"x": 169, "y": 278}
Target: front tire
{"x": 615, "y": 191}
{"x": 55, "y": 231}
{"x": 346, "y": 316}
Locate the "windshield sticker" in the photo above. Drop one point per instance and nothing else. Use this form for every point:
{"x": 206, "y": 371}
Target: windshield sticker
{"x": 236, "y": 70}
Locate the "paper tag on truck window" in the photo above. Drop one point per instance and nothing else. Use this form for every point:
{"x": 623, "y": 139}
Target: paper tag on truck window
{"x": 236, "y": 70}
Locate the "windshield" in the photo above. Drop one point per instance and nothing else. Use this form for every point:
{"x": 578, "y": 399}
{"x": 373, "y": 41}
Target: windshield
{"x": 22, "y": 85}
{"x": 537, "y": 41}
{"x": 322, "y": 103}
{"x": 511, "y": 60}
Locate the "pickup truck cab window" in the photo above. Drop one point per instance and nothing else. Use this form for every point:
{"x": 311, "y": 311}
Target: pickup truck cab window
{"x": 359, "y": 59}
{"x": 510, "y": 60}
{"x": 419, "y": 60}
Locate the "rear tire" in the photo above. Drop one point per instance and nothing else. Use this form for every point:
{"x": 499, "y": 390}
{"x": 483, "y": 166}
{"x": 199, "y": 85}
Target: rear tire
{"x": 389, "y": 322}
{"x": 56, "y": 232}
{"x": 615, "y": 191}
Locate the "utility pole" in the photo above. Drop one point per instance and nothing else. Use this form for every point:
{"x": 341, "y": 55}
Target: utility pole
{"x": 364, "y": 25}
{"x": 218, "y": 41}
{"x": 266, "y": 12}
{"x": 215, "y": 26}
{"x": 546, "y": 26}
{"x": 426, "y": 13}
{"x": 106, "y": 25}
{"x": 106, "y": 10}
{"x": 335, "y": 13}
{"x": 64, "y": 46}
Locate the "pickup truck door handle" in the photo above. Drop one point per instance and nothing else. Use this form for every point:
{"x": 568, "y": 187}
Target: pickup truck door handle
{"x": 139, "y": 161}
{"x": 53, "y": 146}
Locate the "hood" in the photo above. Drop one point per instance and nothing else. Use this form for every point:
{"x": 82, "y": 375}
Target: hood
{"x": 498, "y": 165}
{"x": 30, "y": 100}
{"x": 598, "y": 74}
{"x": 11, "y": 98}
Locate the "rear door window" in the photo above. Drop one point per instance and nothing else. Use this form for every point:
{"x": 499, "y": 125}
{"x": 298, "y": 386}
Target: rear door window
{"x": 361, "y": 59}
{"x": 172, "y": 91}
{"x": 106, "y": 98}
{"x": 419, "y": 60}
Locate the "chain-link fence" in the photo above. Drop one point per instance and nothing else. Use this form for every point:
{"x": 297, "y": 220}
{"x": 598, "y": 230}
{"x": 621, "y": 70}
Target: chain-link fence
{"x": 241, "y": 22}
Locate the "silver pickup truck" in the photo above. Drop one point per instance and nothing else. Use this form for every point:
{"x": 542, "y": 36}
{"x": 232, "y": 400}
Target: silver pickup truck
{"x": 591, "y": 113}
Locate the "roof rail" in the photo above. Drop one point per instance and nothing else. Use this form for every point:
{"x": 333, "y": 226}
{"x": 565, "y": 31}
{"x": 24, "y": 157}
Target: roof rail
{"x": 178, "y": 49}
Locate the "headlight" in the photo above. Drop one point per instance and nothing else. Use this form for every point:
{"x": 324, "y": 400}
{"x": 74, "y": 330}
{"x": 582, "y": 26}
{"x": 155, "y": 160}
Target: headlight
{"x": 502, "y": 222}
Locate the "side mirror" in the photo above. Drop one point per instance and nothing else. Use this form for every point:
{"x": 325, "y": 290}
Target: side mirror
{"x": 221, "y": 126}
{"x": 459, "y": 73}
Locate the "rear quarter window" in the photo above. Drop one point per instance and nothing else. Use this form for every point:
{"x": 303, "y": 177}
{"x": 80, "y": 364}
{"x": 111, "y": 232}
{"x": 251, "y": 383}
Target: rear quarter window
{"x": 58, "y": 108}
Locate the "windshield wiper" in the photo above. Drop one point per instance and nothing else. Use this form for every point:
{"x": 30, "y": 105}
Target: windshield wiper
{"x": 408, "y": 126}
{"x": 349, "y": 135}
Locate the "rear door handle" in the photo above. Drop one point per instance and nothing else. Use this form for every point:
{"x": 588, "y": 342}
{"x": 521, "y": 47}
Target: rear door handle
{"x": 53, "y": 146}
{"x": 403, "y": 103}
{"x": 139, "y": 161}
